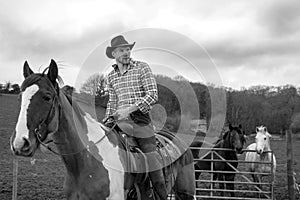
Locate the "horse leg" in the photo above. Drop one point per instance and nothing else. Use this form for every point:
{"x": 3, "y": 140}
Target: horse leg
{"x": 256, "y": 179}
{"x": 259, "y": 178}
{"x": 219, "y": 177}
{"x": 185, "y": 183}
{"x": 144, "y": 192}
{"x": 199, "y": 165}
{"x": 230, "y": 186}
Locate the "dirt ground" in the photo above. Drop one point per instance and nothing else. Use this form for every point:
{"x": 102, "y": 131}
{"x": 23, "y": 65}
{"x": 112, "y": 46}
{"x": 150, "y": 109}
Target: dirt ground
{"x": 41, "y": 177}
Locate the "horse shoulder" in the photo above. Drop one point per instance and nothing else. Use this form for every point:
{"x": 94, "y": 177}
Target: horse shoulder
{"x": 251, "y": 156}
{"x": 251, "y": 146}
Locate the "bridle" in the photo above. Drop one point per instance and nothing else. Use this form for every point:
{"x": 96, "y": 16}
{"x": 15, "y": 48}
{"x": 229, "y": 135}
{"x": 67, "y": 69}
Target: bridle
{"x": 43, "y": 125}
{"x": 39, "y": 130}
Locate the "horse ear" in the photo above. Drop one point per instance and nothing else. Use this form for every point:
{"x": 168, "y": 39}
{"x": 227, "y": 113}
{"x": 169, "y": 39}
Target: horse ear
{"x": 230, "y": 127}
{"x": 223, "y": 135}
{"x": 53, "y": 71}
{"x": 26, "y": 70}
{"x": 265, "y": 129}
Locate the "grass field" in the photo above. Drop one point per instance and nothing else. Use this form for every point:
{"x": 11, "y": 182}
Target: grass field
{"x": 41, "y": 177}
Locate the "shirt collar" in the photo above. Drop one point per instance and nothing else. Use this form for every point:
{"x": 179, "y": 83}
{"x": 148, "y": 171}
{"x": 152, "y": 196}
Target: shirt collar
{"x": 131, "y": 65}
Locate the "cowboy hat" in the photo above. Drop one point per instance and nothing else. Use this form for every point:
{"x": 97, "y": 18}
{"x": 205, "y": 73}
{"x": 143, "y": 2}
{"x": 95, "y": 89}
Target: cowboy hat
{"x": 118, "y": 41}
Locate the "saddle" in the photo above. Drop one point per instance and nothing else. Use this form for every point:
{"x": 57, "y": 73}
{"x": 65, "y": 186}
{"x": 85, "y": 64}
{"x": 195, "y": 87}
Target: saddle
{"x": 167, "y": 145}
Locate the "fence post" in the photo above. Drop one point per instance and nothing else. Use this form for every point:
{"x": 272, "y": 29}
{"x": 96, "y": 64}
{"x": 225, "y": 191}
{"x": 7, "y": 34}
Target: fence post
{"x": 15, "y": 179}
{"x": 290, "y": 176}
{"x": 212, "y": 174}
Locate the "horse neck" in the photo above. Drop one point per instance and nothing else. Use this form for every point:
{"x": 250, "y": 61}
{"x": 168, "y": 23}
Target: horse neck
{"x": 67, "y": 137}
{"x": 267, "y": 154}
{"x": 225, "y": 143}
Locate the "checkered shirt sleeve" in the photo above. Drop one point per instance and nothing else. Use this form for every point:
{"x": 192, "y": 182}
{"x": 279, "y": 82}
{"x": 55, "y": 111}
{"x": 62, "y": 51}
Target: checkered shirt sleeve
{"x": 112, "y": 101}
{"x": 150, "y": 88}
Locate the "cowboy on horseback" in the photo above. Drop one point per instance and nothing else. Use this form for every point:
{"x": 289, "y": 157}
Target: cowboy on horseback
{"x": 132, "y": 91}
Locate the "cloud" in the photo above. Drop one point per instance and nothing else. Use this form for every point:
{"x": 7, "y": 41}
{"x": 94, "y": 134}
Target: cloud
{"x": 281, "y": 18}
{"x": 240, "y": 36}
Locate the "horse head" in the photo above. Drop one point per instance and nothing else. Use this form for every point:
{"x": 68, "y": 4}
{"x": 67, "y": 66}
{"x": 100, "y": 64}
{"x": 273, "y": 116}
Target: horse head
{"x": 39, "y": 111}
{"x": 236, "y": 137}
{"x": 262, "y": 139}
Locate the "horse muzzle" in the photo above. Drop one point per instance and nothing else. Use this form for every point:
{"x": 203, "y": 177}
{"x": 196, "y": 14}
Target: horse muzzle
{"x": 22, "y": 147}
{"x": 259, "y": 151}
{"x": 239, "y": 150}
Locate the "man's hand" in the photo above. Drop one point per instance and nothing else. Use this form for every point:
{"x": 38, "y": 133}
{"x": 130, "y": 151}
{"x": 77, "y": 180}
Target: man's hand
{"x": 124, "y": 113}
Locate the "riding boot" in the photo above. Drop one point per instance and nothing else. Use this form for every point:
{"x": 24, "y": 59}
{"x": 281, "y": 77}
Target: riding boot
{"x": 158, "y": 182}
{"x": 148, "y": 146}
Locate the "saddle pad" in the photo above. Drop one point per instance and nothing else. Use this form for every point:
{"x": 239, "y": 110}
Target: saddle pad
{"x": 169, "y": 147}
{"x": 168, "y": 150}
{"x": 134, "y": 160}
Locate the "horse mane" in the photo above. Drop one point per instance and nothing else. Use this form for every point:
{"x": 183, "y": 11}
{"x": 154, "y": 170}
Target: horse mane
{"x": 80, "y": 113}
{"x": 58, "y": 78}
{"x": 223, "y": 137}
{"x": 68, "y": 91}
{"x": 33, "y": 78}
{"x": 30, "y": 80}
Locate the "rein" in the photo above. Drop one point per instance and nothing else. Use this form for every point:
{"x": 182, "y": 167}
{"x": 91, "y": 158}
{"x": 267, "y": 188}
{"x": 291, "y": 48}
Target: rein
{"x": 41, "y": 128}
{"x": 39, "y": 135}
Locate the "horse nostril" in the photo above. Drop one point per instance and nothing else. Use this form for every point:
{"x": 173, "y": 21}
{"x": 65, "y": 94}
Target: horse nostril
{"x": 26, "y": 145}
{"x": 259, "y": 151}
{"x": 239, "y": 150}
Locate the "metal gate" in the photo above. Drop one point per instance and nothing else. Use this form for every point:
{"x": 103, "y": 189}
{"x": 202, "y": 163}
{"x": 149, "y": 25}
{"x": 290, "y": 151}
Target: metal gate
{"x": 245, "y": 188}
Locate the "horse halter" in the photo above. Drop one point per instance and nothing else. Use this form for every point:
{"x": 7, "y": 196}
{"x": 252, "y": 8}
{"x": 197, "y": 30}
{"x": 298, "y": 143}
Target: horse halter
{"x": 43, "y": 125}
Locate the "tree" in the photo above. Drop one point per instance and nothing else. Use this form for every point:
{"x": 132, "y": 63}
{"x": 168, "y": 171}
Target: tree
{"x": 7, "y": 85}
{"x": 94, "y": 85}
{"x": 15, "y": 88}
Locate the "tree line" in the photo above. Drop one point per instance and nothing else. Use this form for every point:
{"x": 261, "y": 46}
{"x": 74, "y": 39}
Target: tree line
{"x": 9, "y": 88}
{"x": 277, "y": 108}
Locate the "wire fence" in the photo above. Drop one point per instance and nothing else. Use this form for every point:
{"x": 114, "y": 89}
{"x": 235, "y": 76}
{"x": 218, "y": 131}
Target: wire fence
{"x": 244, "y": 188}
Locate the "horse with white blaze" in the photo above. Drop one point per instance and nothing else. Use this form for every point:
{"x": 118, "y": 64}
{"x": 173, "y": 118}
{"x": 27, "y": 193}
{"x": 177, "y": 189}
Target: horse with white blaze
{"x": 98, "y": 163}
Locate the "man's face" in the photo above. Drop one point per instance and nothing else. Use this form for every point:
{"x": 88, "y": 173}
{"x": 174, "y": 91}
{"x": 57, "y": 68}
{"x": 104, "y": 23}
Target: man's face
{"x": 122, "y": 55}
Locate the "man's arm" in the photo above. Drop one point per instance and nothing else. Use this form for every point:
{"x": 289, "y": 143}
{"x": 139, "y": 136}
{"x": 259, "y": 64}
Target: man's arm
{"x": 112, "y": 101}
{"x": 150, "y": 86}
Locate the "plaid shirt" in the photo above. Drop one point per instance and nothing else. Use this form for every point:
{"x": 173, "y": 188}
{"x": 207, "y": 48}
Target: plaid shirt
{"x": 136, "y": 85}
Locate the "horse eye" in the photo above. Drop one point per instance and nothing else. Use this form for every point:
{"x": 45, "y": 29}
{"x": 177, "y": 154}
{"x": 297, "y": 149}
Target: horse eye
{"x": 47, "y": 98}
{"x": 265, "y": 138}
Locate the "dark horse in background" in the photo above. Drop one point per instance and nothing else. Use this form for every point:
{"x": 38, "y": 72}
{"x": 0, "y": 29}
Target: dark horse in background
{"x": 92, "y": 154}
{"x": 234, "y": 140}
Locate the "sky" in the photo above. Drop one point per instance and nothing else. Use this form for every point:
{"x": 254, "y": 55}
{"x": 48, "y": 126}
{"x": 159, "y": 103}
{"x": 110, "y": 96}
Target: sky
{"x": 230, "y": 43}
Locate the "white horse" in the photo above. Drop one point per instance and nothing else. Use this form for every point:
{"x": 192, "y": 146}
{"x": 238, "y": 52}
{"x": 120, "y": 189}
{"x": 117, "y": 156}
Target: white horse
{"x": 262, "y": 154}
